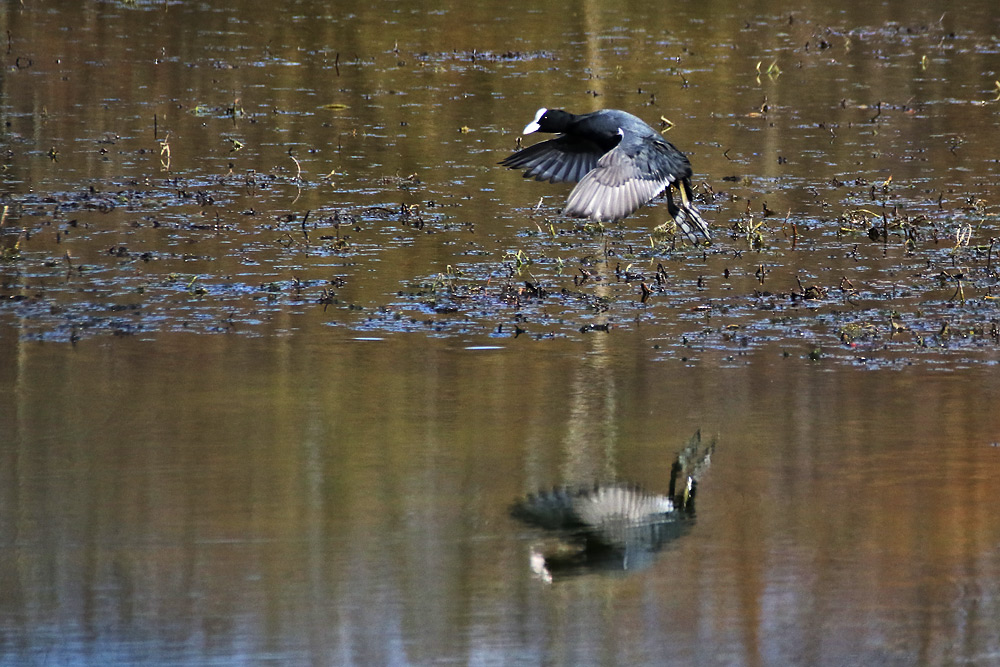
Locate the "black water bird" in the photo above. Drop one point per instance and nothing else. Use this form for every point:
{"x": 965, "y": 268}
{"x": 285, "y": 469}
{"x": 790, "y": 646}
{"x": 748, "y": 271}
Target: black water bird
{"x": 618, "y": 162}
{"x": 614, "y": 526}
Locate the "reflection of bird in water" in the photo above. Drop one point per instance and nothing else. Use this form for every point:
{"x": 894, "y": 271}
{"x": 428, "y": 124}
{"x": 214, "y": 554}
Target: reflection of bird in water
{"x": 614, "y": 526}
{"x": 619, "y": 162}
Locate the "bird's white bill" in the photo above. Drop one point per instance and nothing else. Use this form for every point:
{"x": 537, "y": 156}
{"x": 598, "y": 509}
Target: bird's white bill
{"x": 533, "y": 126}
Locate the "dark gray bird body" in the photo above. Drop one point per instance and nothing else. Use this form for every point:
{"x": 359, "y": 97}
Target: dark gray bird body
{"x": 618, "y": 162}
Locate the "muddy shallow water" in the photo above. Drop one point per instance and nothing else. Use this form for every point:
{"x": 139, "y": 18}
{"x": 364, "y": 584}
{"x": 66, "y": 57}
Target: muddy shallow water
{"x": 282, "y": 343}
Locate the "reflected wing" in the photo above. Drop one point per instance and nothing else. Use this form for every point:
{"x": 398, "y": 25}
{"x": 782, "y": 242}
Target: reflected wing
{"x": 628, "y": 518}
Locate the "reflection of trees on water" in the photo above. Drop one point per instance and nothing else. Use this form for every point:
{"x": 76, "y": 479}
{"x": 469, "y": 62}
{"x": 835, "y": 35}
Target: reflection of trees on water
{"x": 591, "y": 427}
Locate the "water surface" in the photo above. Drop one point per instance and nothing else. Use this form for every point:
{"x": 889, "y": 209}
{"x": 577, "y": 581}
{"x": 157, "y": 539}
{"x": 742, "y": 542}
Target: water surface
{"x": 282, "y": 343}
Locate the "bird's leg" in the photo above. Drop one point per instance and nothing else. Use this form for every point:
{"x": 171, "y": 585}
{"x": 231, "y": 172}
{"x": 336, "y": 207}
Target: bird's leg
{"x": 692, "y": 461}
{"x": 671, "y": 206}
{"x": 671, "y": 209}
{"x": 684, "y": 186}
{"x": 675, "y": 470}
{"x": 689, "y": 490}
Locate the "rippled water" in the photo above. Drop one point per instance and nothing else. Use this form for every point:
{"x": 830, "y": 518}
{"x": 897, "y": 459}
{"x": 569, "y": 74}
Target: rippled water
{"x": 282, "y": 343}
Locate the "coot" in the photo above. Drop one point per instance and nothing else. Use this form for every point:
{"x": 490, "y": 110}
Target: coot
{"x": 618, "y": 162}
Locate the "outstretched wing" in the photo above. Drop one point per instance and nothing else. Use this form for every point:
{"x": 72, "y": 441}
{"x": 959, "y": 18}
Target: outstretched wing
{"x": 559, "y": 160}
{"x": 628, "y": 176}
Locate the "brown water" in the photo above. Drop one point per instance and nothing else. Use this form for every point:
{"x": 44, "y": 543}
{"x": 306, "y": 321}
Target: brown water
{"x": 281, "y": 343}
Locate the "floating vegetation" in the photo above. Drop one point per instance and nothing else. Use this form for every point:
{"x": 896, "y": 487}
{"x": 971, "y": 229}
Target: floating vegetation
{"x": 484, "y": 56}
{"x": 860, "y": 222}
{"x": 922, "y": 282}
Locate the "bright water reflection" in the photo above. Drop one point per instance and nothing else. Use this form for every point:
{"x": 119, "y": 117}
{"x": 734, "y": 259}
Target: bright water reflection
{"x": 235, "y": 432}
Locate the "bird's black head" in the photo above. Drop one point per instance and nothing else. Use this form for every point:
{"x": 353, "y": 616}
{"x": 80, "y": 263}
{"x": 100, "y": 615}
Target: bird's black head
{"x": 549, "y": 120}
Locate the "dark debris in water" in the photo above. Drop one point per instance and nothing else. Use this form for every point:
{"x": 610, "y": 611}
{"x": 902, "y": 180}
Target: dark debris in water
{"x": 921, "y": 282}
{"x": 475, "y": 56}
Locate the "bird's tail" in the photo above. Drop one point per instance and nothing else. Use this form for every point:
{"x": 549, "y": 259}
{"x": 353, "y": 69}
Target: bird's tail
{"x": 686, "y": 216}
